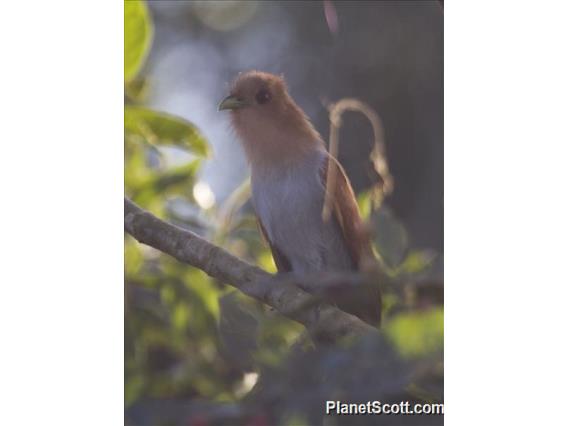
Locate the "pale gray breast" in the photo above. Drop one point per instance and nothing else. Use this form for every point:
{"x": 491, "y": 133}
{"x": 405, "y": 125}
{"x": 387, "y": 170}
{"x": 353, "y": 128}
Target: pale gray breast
{"x": 289, "y": 203}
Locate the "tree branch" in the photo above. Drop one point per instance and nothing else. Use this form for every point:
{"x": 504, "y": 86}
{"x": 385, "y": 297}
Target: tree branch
{"x": 324, "y": 321}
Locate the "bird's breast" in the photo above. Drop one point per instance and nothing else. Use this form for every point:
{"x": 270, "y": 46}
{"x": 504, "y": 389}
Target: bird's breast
{"x": 289, "y": 204}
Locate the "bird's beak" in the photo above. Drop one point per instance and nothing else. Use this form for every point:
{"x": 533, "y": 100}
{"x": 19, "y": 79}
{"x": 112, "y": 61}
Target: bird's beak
{"x": 231, "y": 103}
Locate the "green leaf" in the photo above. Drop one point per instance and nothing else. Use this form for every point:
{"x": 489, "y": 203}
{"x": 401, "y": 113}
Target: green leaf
{"x": 203, "y": 291}
{"x": 180, "y": 316}
{"x": 133, "y": 388}
{"x": 417, "y": 333}
{"x": 133, "y": 257}
{"x": 160, "y": 128}
{"x": 417, "y": 261}
{"x": 391, "y": 237}
{"x": 136, "y": 90}
{"x": 138, "y": 31}
{"x": 365, "y": 204}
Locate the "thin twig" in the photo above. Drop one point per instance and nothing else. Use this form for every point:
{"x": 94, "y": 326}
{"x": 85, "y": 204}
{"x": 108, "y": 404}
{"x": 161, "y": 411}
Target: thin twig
{"x": 377, "y": 156}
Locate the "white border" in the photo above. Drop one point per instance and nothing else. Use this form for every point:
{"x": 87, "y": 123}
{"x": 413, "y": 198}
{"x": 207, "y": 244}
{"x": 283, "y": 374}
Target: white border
{"x": 505, "y": 212}
{"x": 61, "y": 305}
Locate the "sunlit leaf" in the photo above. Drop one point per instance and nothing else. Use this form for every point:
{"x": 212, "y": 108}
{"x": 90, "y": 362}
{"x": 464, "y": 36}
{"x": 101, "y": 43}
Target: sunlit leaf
{"x": 391, "y": 237}
{"x": 138, "y": 32}
{"x": 266, "y": 261}
{"x": 135, "y": 169}
{"x": 204, "y": 289}
{"x": 417, "y": 261}
{"x": 417, "y": 333}
{"x": 389, "y": 301}
{"x": 365, "y": 204}
{"x": 137, "y": 89}
{"x": 160, "y": 128}
{"x": 180, "y": 316}
{"x": 133, "y": 387}
{"x": 133, "y": 258}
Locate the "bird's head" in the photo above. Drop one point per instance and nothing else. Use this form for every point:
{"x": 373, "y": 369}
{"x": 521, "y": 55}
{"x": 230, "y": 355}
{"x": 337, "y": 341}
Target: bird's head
{"x": 256, "y": 93}
{"x": 267, "y": 120}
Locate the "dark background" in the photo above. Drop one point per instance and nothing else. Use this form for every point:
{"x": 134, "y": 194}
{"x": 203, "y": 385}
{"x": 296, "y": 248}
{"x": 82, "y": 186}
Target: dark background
{"x": 388, "y": 54}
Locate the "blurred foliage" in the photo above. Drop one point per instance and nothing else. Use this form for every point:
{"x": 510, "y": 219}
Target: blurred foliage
{"x": 138, "y": 31}
{"x": 161, "y": 128}
{"x": 198, "y": 352}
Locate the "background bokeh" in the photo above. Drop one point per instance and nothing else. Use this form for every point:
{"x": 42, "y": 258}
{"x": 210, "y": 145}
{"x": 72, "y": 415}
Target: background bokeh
{"x": 194, "y": 349}
{"x": 388, "y": 54}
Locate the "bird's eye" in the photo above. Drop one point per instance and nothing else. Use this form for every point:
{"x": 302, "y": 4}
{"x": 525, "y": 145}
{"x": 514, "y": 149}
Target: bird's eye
{"x": 263, "y": 96}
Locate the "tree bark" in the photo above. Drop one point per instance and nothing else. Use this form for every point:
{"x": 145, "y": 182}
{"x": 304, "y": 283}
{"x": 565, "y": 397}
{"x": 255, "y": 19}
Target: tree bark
{"x": 323, "y": 321}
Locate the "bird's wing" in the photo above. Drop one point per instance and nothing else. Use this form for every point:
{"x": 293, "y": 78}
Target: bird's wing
{"x": 346, "y": 212}
{"x": 365, "y": 301}
{"x": 281, "y": 261}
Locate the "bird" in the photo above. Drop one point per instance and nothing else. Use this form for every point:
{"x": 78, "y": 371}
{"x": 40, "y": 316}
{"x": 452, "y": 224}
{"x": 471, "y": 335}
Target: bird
{"x": 289, "y": 163}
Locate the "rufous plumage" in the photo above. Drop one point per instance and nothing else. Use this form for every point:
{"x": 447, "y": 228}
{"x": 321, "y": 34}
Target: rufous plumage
{"x": 289, "y": 164}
